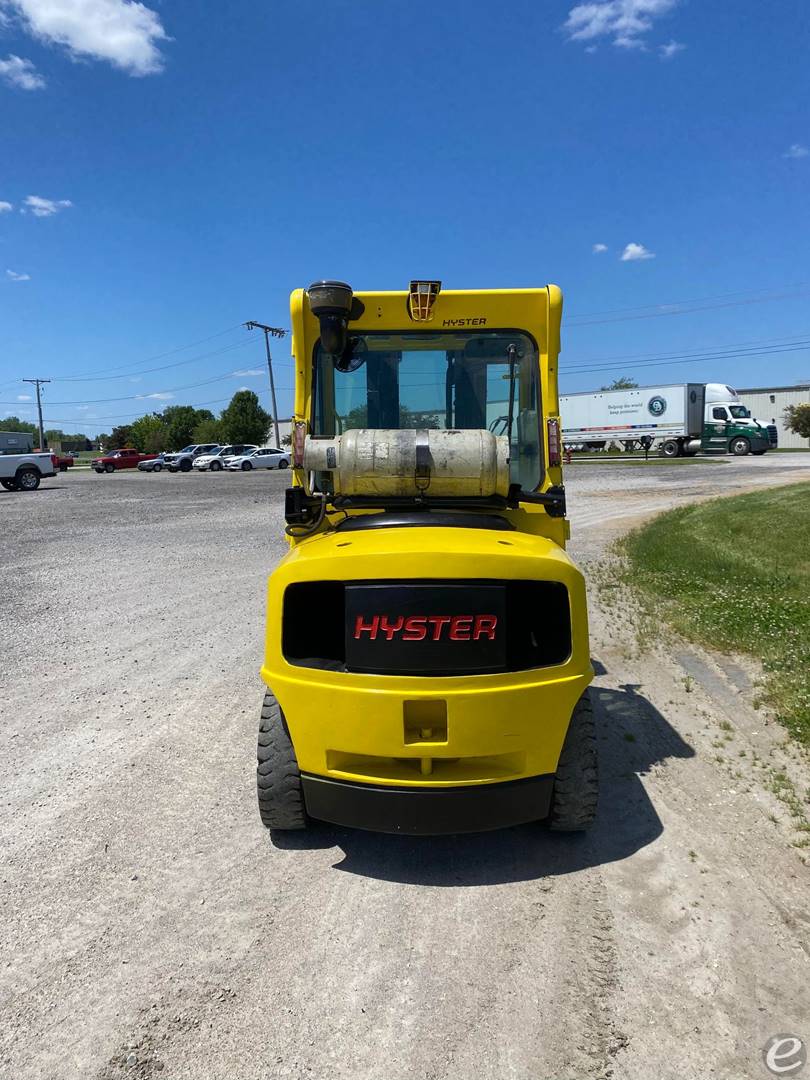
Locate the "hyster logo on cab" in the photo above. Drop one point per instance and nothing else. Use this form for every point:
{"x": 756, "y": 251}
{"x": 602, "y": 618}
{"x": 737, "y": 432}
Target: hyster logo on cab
{"x": 478, "y": 321}
{"x": 427, "y": 627}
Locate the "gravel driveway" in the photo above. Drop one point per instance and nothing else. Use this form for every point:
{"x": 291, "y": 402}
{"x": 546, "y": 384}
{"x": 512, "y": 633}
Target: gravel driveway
{"x": 149, "y": 927}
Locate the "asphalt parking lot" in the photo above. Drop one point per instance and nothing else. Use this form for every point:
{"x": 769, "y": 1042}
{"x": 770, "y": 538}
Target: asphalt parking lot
{"x": 150, "y": 927}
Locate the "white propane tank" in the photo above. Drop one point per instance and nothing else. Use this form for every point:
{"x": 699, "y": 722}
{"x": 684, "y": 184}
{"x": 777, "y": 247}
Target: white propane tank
{"x": 412, "y": 461}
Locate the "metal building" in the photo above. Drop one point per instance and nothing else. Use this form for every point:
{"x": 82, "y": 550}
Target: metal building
{"x": 768, "y": 403}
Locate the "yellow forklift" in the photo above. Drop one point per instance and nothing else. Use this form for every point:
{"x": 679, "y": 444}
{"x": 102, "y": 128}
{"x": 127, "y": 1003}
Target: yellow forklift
{"x": 427, "y": 661}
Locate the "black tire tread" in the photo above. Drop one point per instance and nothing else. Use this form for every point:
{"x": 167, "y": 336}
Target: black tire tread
{"x": 576, "y": 787}
{"x": 278, "y": 778}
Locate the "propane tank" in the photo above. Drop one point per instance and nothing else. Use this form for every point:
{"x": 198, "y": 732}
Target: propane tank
{"x": 412, "y": 462}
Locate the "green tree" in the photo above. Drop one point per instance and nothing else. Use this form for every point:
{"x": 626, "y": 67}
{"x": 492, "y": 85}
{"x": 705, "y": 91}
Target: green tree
{"x": 797, "y": 419}
{"x": 244, "y": 420}
{"x": 14, "y": 423}
{"x": 624, "y": 383}
{"x": 208, "y": 431}
{"x": 119, "y": 437}
{"x": 181, "y": 420}
{"x": 149, "y": 433}
{"x": 358, "y": 418}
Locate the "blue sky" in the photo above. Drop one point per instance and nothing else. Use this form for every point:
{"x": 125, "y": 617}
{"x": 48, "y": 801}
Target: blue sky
{"x": 190, "y": 164}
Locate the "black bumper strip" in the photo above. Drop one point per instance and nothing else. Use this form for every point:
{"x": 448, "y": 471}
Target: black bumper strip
{"x": 426, "y": 811}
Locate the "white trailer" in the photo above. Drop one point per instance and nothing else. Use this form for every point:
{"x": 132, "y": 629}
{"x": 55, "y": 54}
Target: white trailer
{"x": 677, "y": 418}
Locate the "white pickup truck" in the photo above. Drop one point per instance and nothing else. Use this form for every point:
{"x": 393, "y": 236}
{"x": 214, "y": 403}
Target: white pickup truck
{"x": 23, "y": 472}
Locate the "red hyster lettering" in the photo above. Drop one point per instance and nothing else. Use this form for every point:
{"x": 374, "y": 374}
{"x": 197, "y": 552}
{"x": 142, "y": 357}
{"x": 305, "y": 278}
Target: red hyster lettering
{"x": 430, "y": 627}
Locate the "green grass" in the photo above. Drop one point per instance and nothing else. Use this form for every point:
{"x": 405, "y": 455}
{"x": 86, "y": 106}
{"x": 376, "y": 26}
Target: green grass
{"x": 734, "y": 574}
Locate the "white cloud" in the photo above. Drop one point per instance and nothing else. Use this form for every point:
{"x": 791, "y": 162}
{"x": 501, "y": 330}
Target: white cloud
{"x": 136, "y": 378}
{"x": 81, "y": 408}
{"x": 672, "y": 48}
{"x": 5, "y": 207}
{"x": 796, "y": 150}
{"x": 40, "y": 207}
{"x": 247, "y": 371}
{"x": 599, "y": 249}
{"x": 24, "y": 397}
{"x": 123, "y": 33}
{"x": 242, "y": 388}
{"x": 19, "y": 72}
{"x": 12, "y": 275}
{"x": 157, "y": 397}
{"x": 624, "y": 21}
{"x": 635, "y": 252}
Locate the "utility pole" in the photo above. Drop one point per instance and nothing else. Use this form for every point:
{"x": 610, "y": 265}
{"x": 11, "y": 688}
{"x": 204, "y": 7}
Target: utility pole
{"x": 38, "y": 383}
{"x": 276, "y": 332}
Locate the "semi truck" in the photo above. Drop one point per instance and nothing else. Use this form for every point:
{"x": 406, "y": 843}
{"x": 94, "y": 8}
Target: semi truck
{"x": 679, "y": 419}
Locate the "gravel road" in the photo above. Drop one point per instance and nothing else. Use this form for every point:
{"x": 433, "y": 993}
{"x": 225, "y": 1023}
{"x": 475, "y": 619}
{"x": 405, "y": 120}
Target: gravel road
{"x": 150, "y": 928}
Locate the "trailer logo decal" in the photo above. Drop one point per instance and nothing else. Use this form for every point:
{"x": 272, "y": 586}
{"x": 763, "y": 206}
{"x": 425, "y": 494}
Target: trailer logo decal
{"x": 426, "y": 627}
{"x": 657, "y": 405}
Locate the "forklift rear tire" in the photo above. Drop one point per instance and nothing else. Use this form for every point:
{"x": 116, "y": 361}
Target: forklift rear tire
{"x": 278, "y": 778}
{"x": 576, "y": 787}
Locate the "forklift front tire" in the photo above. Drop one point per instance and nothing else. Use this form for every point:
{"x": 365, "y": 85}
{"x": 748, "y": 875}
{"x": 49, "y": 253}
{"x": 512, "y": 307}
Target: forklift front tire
{"x": 576, "y": 787}
{"x": 278, "y": 778}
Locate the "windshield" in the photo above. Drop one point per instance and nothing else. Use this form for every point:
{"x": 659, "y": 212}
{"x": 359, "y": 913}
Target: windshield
{"x": 437, "y": 380}
{"x": 739, "y": 412}
{"x": 188, "y": 449}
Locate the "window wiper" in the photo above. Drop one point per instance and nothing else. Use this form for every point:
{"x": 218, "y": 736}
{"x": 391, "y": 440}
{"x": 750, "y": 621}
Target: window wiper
{"x": 511, "y": 352}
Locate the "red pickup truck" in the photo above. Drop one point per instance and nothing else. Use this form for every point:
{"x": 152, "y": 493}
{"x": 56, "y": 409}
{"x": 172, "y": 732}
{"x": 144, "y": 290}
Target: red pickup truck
{"x": 119, "y": 459}
{"x": 63, "y": 461}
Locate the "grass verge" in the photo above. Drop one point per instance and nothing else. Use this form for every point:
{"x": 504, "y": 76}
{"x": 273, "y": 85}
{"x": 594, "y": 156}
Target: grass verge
{"x": 734, "y": 574}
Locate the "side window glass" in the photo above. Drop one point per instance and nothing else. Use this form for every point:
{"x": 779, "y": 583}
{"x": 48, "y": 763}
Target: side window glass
{"x": 719, "y": 414}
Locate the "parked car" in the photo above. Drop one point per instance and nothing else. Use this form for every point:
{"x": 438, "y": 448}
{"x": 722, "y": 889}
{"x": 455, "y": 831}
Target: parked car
{"x": 151, "y": 464}
{"x": 182, "y": 460}
{"x": 63, "y": 461}
{"x": 221, "y": 457}
{"x": 23, "y": 472}
{"x": 266, "y": 457}
{"x": 120, "y": 459}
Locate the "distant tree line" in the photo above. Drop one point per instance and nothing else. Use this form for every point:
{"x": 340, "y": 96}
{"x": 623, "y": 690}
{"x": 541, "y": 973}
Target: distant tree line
{"x": 53, "y": 436}
{"x": 243, "y": 421}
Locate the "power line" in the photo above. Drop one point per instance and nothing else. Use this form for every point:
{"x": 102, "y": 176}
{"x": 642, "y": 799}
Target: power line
{"x": 685, "y": 307}
{"x": 148, "y": 371}
{"x": 147, "y": 397}
{"x": 94, "y": 420}
{"x": 788, "y": 339}
{"x": 702, "y": 357}
{"x": 149, "y": 359}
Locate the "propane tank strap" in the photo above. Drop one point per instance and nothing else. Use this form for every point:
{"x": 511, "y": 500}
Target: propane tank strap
{"x": 423, "y": 461}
